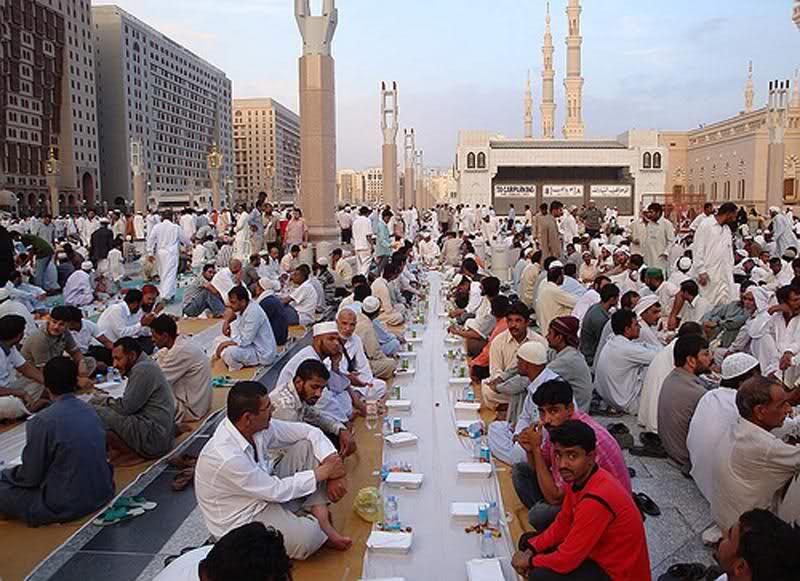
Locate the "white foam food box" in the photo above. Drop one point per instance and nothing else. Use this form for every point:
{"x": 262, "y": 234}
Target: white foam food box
{"x": 398, "y": 543}
{"x": 474, "y": 469}
{"x": 468, "y": 406}
{"x": 404, "y": 479}
{"x": 399, "y": 405}
{"x": 413, "y": 339}
{"x": 484, "y": 570}
{"x": 460, "y": 381}
{"x": 453, "y": 340}
{"x": 401, "y": 439}
{"x": 465, "y": 509}
{"x": 407, "y": 354}
{"x": 409, "y": 371}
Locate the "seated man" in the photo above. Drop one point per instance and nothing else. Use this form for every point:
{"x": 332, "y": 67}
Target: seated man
{"x": 251, "y": 552}
{"x": 429, "y": 251}
{"x": 203, "y": 296}
{"x": 16, "y": 403}
{"x": 143, "y": 419}
{"x": 326, "y": 279}
{"x": 758, "y": 546}
{"x": 290, "y": 260}
{"x": 648, "y": 309}
{"x": 392, "y": 314}
{"x": 714, "y": 417}
{"x": 381, "y": 365}
{"x": 479, "y": 365}
{"x": 552, "y": 301}
{"x": 598, "y": 534}
{"x": 680, "y": 393}
{"x": 342, "y": 273}
{"x": 78, "y": 289}
{"x": 296, "y": 308}
{"x": 64, "y": 474}
{"x": 237, "y": 482}
{"x": 538, "y": 481}
{"x": 723, "y": 322}
{"x": 11, "y": 306}
{"x": 567, "y": 362}
{"x": 390, "y": 344}
{"x": 689, "y": 305}
{"x": 229, "y": 277}
{"x": 476, "y": 330}
{"x": 186, "y": 367}
{"x": 355, "y": 364}
{"x": 251, "y": 340}
{"x": 595, "y": 320}
{"x": 622, "y": 364}
{"x": 295, "y": 402}
{"x": 503, "y": 436}
{"x": 754, "y": 468}
{"x": 123, "y": 319}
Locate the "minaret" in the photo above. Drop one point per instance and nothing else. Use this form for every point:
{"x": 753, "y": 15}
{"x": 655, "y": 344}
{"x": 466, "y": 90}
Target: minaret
{"x": 573, "y": 83}
{"x": 548, "y": 85}
{"x": 748, "y": 89}
{"x": 528, "y": 109}
{"x": 795, "y": 102}
{"x": 389, "y": 120}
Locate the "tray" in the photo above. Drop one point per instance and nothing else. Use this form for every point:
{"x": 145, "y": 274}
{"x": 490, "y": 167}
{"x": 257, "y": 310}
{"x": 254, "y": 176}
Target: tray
{"x": 401, "y": 439}
{"x": 474, "y": 469}
{"x": 392, "y": 543}
{"x": 404, "y": 479}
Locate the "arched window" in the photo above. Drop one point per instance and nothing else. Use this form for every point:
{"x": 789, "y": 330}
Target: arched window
{"x": 647, "y": 161}
{"x": 691, "y": 189}
{"x": 481, "y": 160}
{"x": 656, "y": 160}
{"x": 470, "y": 160}
{"x": 713, "y": 190}
{"x": 727, "y": 190}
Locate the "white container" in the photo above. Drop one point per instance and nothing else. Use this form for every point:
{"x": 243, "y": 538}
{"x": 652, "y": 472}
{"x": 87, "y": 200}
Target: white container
{"x": 399, "y": 405}
{"x": 404, "y": 480}
{"x": 414, "y": 339}
{"x": 468, "y": 406}
{"x": 460, "y": 381}
{"x": 453, "y": 340}
{"x": 465, "y": 509}
{"x": 409, "y": 371}
{"x": 401, "y": 439}
{"x": 474, "y": 469}
{"x": 407, "y": 354}
{"x": 390, "y": 543}
{"x": 484, "y": 570}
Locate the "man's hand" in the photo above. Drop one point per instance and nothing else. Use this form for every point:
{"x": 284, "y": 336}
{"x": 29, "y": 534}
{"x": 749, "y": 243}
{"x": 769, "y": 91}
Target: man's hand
{"x": 336, "y": 359}
{"x": 531, "y": 438}
{"x": 85, "y": 383}
{"x": 147, "y": 319}
{"x": 780, "y": 308}
{"x": 347, "y": 444}
{"x": 703, "y": 279}
{"x": 337, "y": 489}
{"x": 786, "y": 361}
{"x": 521, "y": 561}
{"x": 355, "y": 380}
{"x": 222, "y": 346}
{"x": 331, "y": 468}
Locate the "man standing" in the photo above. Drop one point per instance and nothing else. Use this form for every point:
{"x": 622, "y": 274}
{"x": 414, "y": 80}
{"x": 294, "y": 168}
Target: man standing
{"x": 592, "y": 219}
{"x": 782, "y": 232}
{"x": 658, "y": 236}
{"x": 102, "y": 241}
{"x": 383, "y": 242}
{"x": 549, "y": 236}
{"x": 345, "y": 220}
{"x": 164, "y": 243}
{"x": 713, "y": 256}
{"x": 362, "y": 234}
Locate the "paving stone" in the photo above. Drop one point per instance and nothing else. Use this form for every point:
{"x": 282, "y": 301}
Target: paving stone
{"x": 666, "y": 534}
{"x": 692, "y": 552}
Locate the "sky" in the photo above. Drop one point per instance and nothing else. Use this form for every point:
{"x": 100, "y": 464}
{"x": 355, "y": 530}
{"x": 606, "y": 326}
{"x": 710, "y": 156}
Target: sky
{"x": 462, "y": 64}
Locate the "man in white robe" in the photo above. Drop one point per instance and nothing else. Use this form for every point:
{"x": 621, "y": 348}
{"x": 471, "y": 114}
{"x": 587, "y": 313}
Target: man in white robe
{"x": 251, "y": 342}
{"x": 658, "y": 237}
{"x": 782, "y": 232}
{"x": 164, "y": 242}
{"x": 713, "y": 256}
{"x": 78, "y": 290}
{"x": 226, "y": 278}
{"x": 138, "y": 226}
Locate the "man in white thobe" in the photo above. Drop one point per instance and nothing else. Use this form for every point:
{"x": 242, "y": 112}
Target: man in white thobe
{"x": 713, "y": 256}
{"x": 78, "y": 291}
{"x": 782, "y": 233}
{"x": 569, "y": 226}
{"x": 164, "y": 242}
{"x": 252, "y": 342}
{"x": 658, "y": 237}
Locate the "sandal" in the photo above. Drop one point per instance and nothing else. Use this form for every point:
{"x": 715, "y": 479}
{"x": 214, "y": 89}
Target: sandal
{"x": 182, "y": 461}
{"x": 116, "y": 515}
{"x": 647, "y": 504}
{"x": 687, "y": 571}
{"x": 134, "y": 502}
{"x": 648, "y": 452}
{"x": 622, "y": 435}
{"x": 183, "y": 479}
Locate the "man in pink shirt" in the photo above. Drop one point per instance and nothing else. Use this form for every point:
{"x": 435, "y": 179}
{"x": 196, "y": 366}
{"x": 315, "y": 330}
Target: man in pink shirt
{"x": 296, "y": 230}
{"x": 538, "y": 482}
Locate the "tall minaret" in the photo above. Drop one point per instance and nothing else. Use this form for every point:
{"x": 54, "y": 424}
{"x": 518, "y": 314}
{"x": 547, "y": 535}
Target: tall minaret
{"x": 548, "y": 86}
{"x": 573, "y": 83}
{"x": 528, "y": 109}
{"x": 748, "y": 89}
{"x": 795, "y": 102}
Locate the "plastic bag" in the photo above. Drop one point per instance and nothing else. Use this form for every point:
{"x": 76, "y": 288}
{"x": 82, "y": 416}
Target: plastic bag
{"x": 369, "y": 504}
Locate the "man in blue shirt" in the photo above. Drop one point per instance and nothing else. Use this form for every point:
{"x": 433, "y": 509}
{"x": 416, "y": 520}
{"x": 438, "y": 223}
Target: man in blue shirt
{"x": 383, "y": 242}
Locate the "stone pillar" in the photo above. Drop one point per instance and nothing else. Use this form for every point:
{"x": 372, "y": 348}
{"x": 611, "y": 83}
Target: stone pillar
{"x": 777, "y": 118}
{"x": 420, "y": 202}
{"x": 51, "y": 168}
{"x": 317, "y": 197}
{"x": 215, "y": 191}
{"x": 389, "y": 125}
{"x": 139, "y": 178}
{"x": 409, "y": 185}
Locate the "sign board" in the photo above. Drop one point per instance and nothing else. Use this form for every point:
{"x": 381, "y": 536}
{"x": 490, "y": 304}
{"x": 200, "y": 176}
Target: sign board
{"x": 515, "y": 191}
{"x": 611, "y": 191}
{"x": 562, "y": 191}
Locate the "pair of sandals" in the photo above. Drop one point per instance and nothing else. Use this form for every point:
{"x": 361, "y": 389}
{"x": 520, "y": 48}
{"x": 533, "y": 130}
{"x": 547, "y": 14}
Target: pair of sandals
{"x": 691, "y": 572}
{"x": 622, "y": 435}
{"x": 186, "y": 466}
{"x": 123, "y": 509}
{"x": 651, "y": 446}
{"x": 646, "y": 504}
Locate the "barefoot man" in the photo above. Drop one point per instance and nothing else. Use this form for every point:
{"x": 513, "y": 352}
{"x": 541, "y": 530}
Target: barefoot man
{"x": 275, "y": 472}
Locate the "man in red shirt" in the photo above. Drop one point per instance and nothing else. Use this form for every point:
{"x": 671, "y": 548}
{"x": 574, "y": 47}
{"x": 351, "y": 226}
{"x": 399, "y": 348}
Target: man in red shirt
{"x": 538, "y": 481}
{"x": 598, "y": 534}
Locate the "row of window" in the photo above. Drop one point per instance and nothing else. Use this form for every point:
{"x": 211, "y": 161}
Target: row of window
{"x": 741, "y": 189}
{"x": 651, "y": 160}
{"x": 474, "y": 161}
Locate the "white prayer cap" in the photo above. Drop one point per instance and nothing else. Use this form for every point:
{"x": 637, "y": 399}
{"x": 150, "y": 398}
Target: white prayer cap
{"x": 533, "y": 352}
{"x": 684, "y": 263}
{"x": 470, "y": 255}
{"x": 264, "y": 253}
{"x": 269, "y": 284}
{"x": 738, "y": 364}
{"x": 775, "y": 209}
{"x": 322, "y": 261}
{"x": 370, "y": 305}
{"x": 87, "y": 265}
{"x": 458, "y": 279}
{"x": 4, "y": 294}
{"x": 742, "y": 253}
{"x": 645, "y": 303}
{"x": 61, "y": 255}
{"x": 104, "y": 220}
{"x": 326, "y": 328}
{"x": 555, "y": 264}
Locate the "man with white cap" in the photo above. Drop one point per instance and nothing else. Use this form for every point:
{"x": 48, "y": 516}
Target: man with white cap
{"x": 622, "y": 364}
{"x": 326, "y": 346}
{"x": 429, "y": 250}
{"x": 11, "y": 306}
{"x": 681, "y": 271}
{"x": 164, "y": 242}
{"x": 389, "y": 343}
{"x": 78, "y": 290}
{"x": 552, "y": 300}
{"x": 532, "y": 363}
{"x": 648, "y": 309}
{"x": 782, "y": 232}
{"x": 714, "y": 416}
{"x": 251, "y": 342}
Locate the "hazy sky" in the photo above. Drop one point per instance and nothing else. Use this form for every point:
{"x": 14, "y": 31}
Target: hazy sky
{"x": 462, "y": 64}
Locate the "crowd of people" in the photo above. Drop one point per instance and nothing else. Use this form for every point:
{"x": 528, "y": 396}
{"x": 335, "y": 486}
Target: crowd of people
{"x": 689, "y": 326}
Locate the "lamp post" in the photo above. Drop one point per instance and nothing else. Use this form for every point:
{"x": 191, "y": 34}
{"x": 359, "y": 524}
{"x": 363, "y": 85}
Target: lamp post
{"x": 51, "y": 170}
{"x": 214, "y": 166}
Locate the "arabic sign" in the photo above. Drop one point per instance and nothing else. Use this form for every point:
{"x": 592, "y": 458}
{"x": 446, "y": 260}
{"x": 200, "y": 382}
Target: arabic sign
{"x": 515, "y": 191}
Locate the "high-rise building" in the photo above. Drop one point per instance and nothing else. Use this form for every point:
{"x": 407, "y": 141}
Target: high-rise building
{"x": 266, "y": 149}
{"x": 349, "y": 186}
{"x": 155, "y": 92}
{"x": 373, "y": 185}
{"x": 47, "y": 99}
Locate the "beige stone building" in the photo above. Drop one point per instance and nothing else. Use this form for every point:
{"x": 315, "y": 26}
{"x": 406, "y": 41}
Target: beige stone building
{"x": 373, "y": 185}
{"x": 266, "y": 143}
{"x": 349, "y": 187}
{"x": 48, "y": 99}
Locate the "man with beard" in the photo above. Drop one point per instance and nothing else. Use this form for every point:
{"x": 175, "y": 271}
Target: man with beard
{"x": 295, "y": 401}
{"x": 538, "y": 482}
{"x": 598, "y": 534}
{"x": 680, "y": 394}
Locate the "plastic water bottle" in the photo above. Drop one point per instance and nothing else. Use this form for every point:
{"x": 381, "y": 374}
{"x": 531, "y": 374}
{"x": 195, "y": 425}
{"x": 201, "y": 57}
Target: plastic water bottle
{"x": 110, "y": 374}
{"x": 476, "y": 446}
{"x": 372, "y": 409}
{"x": 117, "y": 375}
{"x": 391, "y": 514}
{"x": 387, "y": 426}
{"x": 494, "y": 515}
{"x": 487, "y": 545}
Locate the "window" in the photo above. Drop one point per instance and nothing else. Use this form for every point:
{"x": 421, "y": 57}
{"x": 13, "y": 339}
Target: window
{"x": 647, "y": 160}
{"x": 713, "y": 190}
{"x": 482, "y": 160}
{"x": 656, "y": 160}
{"x": 470, "y": 160}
